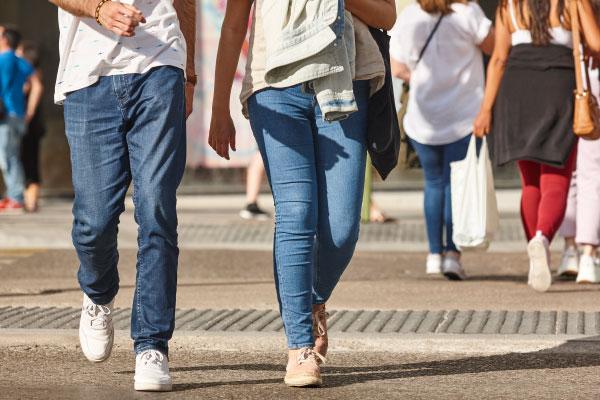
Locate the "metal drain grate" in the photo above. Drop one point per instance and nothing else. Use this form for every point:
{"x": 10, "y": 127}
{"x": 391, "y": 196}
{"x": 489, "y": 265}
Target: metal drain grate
{"x": 405, "y": 231}
{"x": 361, "y": 321}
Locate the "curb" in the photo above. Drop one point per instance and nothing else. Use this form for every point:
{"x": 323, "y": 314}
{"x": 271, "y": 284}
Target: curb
{"x": 422, "y": 344}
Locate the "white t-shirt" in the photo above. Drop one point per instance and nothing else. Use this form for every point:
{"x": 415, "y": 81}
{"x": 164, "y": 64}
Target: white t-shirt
{"x": 89, "y": 51}
{"x": 446, "y": 87}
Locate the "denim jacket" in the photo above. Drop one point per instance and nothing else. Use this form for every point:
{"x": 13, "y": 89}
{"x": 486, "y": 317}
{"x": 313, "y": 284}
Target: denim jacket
{"x": 312, "y": 43}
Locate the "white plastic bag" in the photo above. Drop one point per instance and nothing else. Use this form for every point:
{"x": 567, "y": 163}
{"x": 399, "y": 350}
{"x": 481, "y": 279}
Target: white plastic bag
{"x": 474, "y": 205}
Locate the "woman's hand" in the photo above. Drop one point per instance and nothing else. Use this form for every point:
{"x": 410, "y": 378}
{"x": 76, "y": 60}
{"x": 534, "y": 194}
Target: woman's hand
{"x": 222, "y": 133}
{"x": 482, "y": 124}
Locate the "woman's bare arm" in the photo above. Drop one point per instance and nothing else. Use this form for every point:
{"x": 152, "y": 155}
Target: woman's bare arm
{"x": 375, "y": 13}
{"x": 589, "y": 25}
{"x": 233, "y": 33}
{"x": 482, "y": 124}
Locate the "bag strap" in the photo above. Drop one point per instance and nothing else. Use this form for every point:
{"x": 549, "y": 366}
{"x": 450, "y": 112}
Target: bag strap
{"x": 578, "y": 56}
{"x": 429, "y": 38}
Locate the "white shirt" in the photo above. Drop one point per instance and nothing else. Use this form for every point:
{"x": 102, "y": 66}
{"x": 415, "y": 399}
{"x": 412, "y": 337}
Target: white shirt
{"x": 446, "y": 87}
{"x": 89, "y": 51}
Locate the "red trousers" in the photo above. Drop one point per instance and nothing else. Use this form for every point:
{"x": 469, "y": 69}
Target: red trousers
{"x": 545, "y": 192}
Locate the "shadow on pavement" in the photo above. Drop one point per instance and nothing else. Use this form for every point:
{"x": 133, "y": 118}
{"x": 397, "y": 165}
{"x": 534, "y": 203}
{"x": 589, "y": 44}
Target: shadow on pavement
{"x": 568, "y": 355}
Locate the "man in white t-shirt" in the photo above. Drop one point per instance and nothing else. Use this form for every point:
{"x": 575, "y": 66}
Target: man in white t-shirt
{"x": 126, "y": 82}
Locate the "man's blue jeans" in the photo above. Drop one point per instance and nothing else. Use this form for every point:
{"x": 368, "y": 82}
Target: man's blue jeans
{"x": 435, "y": 161}
{"x": 316, "y": 170}
{"x": 123, "y": 129}
{"x": 12, "y": 130}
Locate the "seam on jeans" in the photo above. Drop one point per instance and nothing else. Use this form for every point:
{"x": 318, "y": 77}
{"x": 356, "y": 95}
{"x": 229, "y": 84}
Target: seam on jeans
{"x": 140, "y": 263}
{"x": 116, "y": 85}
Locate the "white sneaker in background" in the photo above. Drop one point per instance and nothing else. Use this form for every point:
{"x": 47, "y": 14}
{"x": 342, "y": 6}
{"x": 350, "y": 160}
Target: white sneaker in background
{"x": 434, "y": 264}
{"x": 569, "y": 265}
{"x": 588, "y": 270}
{"x": 453, "y": 269}
{"x": 540, "y": 276}
{"x": 96, "y": 332}
{"x": 152, "y": 372}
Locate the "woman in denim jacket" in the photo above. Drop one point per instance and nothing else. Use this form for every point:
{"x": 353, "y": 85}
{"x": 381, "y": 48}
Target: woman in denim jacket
{"x": 315, "y": 169}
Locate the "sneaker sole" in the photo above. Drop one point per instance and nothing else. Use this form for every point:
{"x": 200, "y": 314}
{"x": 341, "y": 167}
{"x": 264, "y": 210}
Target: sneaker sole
{"x": 110, "y": 347}
{"x": 153, "y": 387}
{"x": 453, "y": 276}
{"x": 303, "y": 381}
{"x": 570, "y": 273}
{"x": 540, "y": 275}
{"x": 251, "y": 217}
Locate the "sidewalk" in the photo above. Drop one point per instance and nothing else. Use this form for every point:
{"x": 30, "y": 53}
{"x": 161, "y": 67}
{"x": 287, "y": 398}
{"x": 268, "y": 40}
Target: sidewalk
{"x": 395, "y": 332}
{"x": 212, "y": 222}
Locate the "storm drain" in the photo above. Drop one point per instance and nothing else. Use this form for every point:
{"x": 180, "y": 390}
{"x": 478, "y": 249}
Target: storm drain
{"x": 356, "y": 321}
{"x": 404, "y": 231}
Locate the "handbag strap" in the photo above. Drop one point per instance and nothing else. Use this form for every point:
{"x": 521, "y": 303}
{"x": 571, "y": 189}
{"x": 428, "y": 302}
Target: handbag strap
{"x": 578, "y": 56}
{"x": 429, "y": 38}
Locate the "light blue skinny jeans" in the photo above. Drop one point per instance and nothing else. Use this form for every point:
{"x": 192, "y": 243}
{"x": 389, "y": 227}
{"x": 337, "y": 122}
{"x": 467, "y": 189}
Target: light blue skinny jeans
{"x": 316, "y": 171}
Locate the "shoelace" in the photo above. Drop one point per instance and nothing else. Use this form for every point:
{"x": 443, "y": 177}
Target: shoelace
{"x": 309, "y": 355}
{"x": 98, "y": 315}
{"x": 153, "y": 358}
{"x": 319, "y": 328}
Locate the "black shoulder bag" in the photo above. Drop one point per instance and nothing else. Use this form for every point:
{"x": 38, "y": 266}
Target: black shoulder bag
{"x": 408, "y": 156}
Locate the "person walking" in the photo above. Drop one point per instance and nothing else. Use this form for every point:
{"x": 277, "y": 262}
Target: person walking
{"x": 115, "y": 58}
{"x": 581, "y": 225}
{"x": 30, "y": 146}
{"x": 528, "y": 109}
{"x": 15, "y": 72}
{"x": 314, "y": 158}
{"x": 437, "y": 48}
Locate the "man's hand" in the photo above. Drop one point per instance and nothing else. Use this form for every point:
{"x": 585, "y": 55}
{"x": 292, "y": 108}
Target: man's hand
{"x": 189, "y": 98}
{"x": 120, "y": 18}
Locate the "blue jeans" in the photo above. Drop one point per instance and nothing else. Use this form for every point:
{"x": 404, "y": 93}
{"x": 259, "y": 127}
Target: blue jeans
{"x": 12, "y": 130}
{"x": 435, "y": 161}
{"x": 123, "y": 129}
{"x": 316, "y": 171}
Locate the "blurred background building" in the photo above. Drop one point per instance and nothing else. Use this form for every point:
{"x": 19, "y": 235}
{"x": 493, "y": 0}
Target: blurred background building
{"x": 205, "y": 173}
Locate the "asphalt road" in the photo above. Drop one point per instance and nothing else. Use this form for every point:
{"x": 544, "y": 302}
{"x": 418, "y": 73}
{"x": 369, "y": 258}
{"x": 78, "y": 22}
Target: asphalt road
{"x": 51, "y": 373}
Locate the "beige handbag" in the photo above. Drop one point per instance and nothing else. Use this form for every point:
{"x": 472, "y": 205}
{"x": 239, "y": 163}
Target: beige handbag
{"x": 586, "y": 116}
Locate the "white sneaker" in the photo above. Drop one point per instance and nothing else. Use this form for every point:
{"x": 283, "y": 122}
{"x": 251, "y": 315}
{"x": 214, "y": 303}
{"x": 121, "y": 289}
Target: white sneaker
{"x": 434, "y": 264}
{"x": 588, "y": 270}
{"x": 453, "y": 269}
{"x": 96, "y": 332}
{"x": 540, "y": 276}
{"x": 152, "y": 372}
{"x": 569, "y": 266}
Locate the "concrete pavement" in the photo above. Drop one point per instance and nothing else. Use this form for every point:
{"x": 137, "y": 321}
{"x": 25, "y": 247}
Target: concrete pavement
{"x": 226, "y": 264}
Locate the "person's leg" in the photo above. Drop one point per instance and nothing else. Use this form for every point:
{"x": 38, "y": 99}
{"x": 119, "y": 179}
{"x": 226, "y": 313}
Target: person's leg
{"x": 588, "y": 205}
{"x": 341, "y": 156}
{"x": 156, "y": 137}
{"x": 14, "y": 178}
{"x": 30, "y": 154}
{"x": 254, "y": 176}
{"x": 432, "y": 161}
{"x": 100, "y": 167}
{"x": 569, "y": 264}
{"x": 281, "y": 122}
{"x": 554, "y": 186}
{"x": 568, "y": 228}
{"x": 452, "y": 152}
{"x": 531, "y": 195}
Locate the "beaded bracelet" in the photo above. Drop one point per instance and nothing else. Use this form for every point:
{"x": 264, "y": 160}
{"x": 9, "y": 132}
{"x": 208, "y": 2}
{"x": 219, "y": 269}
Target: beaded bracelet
{"x": 98, "y": 7}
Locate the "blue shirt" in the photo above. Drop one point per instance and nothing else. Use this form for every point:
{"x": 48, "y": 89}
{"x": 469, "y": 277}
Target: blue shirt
{"x": 14, "y": 72}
